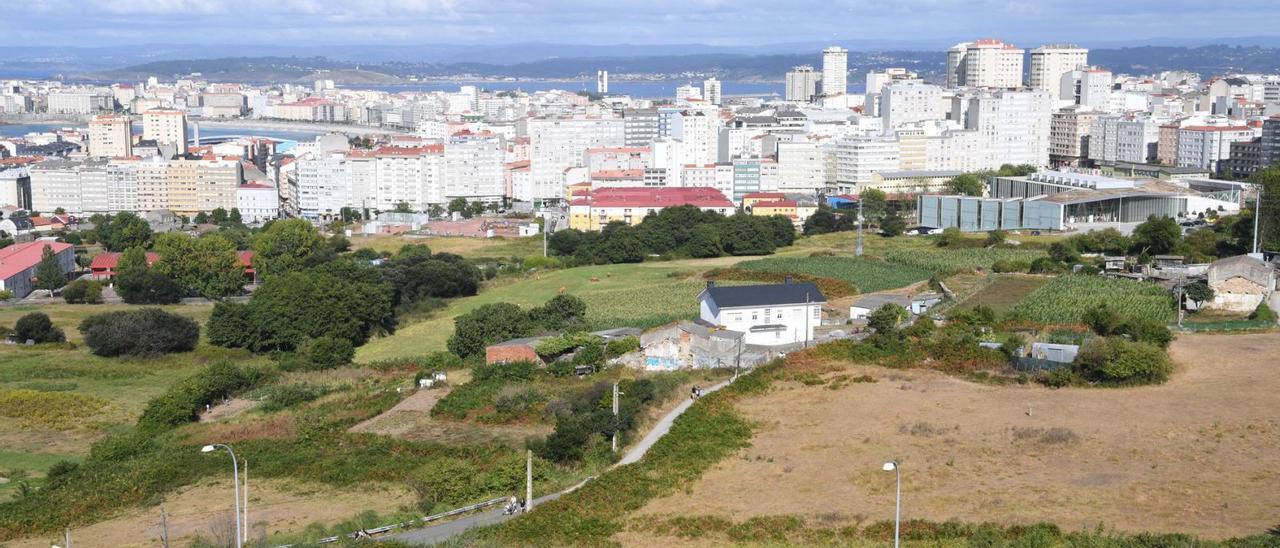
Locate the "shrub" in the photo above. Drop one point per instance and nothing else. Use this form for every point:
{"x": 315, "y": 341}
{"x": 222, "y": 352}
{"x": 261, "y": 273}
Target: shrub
{"x": 285, "y": 396}
{"x": 1115, "y": 360}
{"x": 1058, "y": 378}
{"x": 146, "y": 332}
{"x": 37, "y": 327}
{"x": 329, "y": 352}
{"x": 488, "y": 324}
{"x": 618, "y": 347}
{"x": 83, "y": 292}
{"x": 147, "y": 287}
{"x": 183, "y": 401}
{"x": 1263, "y": 313}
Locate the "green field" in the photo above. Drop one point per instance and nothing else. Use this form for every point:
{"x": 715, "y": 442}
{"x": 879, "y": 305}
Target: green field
{"x": 640, "y": 295}
{"x": 68, "y": 316}
{"x": 867, "y": 275}
{"x": 962, "y": 259}
{"x": 1003, "y": 292}
{"x": 1065, "y": 299}
{"x": 471, "y": 248}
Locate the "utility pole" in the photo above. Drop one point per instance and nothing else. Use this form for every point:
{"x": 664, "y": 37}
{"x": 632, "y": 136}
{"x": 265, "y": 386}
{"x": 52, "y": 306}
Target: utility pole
{"x": 1180, "y": 301}
{"x": 857, "y": 252}
{"x": 615, "y": 418}
{"x": 66, "y": 537}
{"x": 245, "y": 507}
{"x": 1257, "y": 214}
{"x": 545, "y": 221}
{"x": 528, "y": 481}
{"x": 164, "y": 528}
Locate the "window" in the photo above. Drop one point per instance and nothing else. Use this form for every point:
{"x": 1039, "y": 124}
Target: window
{"x": 755, "y": 315}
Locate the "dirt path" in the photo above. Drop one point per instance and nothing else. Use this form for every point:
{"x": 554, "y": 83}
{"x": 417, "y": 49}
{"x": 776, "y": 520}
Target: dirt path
{"x": 233, "y": 407}
{"x": 401, "y": 419}
{"x": 1200, "y": 454}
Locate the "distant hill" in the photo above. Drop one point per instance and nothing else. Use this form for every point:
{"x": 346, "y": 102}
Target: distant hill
{"x": 1205, "y": 60}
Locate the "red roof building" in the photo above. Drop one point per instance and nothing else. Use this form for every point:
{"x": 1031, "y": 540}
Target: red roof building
{"x": 18, "y": 264}
{"x": 632, "y": 204}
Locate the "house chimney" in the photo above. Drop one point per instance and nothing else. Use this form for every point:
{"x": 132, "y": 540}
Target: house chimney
{"x": 711, "y": 284}
{"x": 787, "y": 280}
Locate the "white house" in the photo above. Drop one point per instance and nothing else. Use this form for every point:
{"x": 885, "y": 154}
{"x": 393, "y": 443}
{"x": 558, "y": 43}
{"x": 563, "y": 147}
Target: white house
{"x": 770, "y": 315}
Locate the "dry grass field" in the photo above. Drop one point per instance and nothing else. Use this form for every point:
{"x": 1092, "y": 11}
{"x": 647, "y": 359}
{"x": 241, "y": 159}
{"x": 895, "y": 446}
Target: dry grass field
{"x": 1200, "y": 454}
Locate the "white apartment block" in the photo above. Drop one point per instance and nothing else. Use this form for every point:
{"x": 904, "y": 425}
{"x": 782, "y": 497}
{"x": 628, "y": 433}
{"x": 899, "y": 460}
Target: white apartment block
{"x": 1123, "y": 138}
{"x": 257, "y": 202}
{"x": 166, "y": 126}
{"x": 1050, "y": 62}
{"x": 324, "y": 185}
{"x": 1089, "y": 87}
{"x": 858, "y": 157}
{"x": 801, "y": 168}
{"x": 902, "y": 104}
{"x": 84, "y": 187}
{"x": 473, "y": 170}
{"x": 1013, "y": 126}
{"x": 79, "y": 102}
{"x": 410, "y": 175}
{"x": 711, "y": 91}
{"x": 1206, "y": 146}
{"x": 111, "y": 136}
{"x": 700, "y": 134}
{"x": 557, "y": 144}
{"x": 835, "y": 71}
{"x": 802, "y": 84}
{"x": 986, "y": 63}
{"x": 717, "y": 176}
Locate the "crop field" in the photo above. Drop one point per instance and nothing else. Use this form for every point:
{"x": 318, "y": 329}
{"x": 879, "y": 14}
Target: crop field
{"x": 958, "y": 260}
{"x": 1003, "y": 292}
{"x": 867, "y": 275}
{"x": 1065, "y": 299}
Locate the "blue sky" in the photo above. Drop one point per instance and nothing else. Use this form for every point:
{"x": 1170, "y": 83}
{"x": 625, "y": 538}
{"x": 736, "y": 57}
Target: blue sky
{"x": 715, "y": 22}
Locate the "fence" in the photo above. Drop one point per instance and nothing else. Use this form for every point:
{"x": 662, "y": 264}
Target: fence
{"x": 1228, "y": 325}
{"x": 1027, "y": 364}
{"x": 394, "y": 526}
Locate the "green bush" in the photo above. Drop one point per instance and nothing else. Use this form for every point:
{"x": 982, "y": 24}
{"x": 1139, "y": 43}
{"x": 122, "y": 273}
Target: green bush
{"x": 83, "y": 292}
{"x": 183, "y": 402}
{"x": 618, "y": 347}
{"x": 37, "y": 327}
{"x": 281, "y": 397}
{"x": 147, "y": 287}
{"x": 329, "y": 352}
{"x": 1114, "y": 360}
{"x": 1263, "y": 313}
{"x": 145, "y": 332}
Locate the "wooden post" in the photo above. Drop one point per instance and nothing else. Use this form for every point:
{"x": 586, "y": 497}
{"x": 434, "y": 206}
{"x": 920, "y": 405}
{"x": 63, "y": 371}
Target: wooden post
{"x": 528, "y": 477}
{"x": 164, "y": 528}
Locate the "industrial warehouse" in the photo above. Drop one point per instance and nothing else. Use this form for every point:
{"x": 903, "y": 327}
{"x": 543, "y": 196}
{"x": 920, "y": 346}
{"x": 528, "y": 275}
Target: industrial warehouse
{"x": 1055, "y": 200}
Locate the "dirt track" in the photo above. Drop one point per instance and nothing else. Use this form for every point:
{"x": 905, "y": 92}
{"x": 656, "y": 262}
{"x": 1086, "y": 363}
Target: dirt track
{"x": 1200, "y": 454}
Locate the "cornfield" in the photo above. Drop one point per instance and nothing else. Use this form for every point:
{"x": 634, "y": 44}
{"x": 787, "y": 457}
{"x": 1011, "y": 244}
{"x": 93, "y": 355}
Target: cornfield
{"x": 946, "y": 261}
{"x": 56, "y": 410}
{"x": 866, "y": 275}
{"x": 1065, "y": 300}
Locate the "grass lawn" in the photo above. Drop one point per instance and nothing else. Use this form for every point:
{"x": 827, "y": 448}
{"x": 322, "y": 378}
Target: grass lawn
{"x": 1003, "y": 292}
{"x": 68, "y": 316}
{"x": 643, "y": 294}
{"x": 868, "y": 275}
{"x": 459, "y": 245}
{"x": 17, "y": 466}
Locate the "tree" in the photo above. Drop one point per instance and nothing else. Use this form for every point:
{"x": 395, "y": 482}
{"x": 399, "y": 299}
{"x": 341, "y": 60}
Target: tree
{"x": 1157, "y": 235}
{"x": 411, "y": 251}
{"x": 459, "y": 206}
{"x": 559, "y": 313}
{"x": 49, "y": 274}
{"x": 1268, "y": 180}
{"x": 83, "y": 292}
{"x": 148, "y": 287}
{"x": 122, "y": 231}
{"x": 219, "y": 216}
{"x": 403, "y": 207}
{"x": 740, "y": 237}
{"x": 202, "y": 218}
{"x": 329, "y": 353}
{"x": 285, "y": 246}
{"x": 234, "y": 217}
{"x": 996, "y": 237}
{"x": 145, "y": 332}
{"x": 1199, "y": 292}
{"x": 825, "y": 221}
{"x": 1113, "y": 360}
{"x": 37, "y": 327}
{"x": 1103, "y": 319}
{"x": 874, "y": 203}
{"x": 893, "y": 224}
{"x": 132, "y": 261}
{"x": 475, "y": 208}
{"x": 968, "y": 184}
{"x": 486, "y": 325}
{"x": 622, "y": 246}
{"x": 705, "y": 242}
{"x": 208, "y": 265}
{"x": 886, "y": 318}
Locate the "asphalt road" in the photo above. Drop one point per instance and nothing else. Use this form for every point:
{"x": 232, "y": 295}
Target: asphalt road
{"x": 427, "y": 536}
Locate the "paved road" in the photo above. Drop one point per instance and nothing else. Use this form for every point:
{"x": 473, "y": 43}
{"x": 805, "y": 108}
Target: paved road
{"x": 444, "y": 531}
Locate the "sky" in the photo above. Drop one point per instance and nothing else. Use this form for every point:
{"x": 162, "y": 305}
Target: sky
{"x": 604, "y": 22}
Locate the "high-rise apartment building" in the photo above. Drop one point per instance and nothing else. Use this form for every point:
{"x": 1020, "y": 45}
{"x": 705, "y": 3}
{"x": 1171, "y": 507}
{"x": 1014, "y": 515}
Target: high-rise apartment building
{"x": 1087, "y": 87}
{"x": 602, "y": 82}
{"x": 985, "y": 63}
{"x": 858, "y": 157}
{"x": 166, "y": 127}
{"x": 1049, "y": 62}
{"x": 1069, "y": 135}
{"x": 111, "y": 136}
{"x": 700, "y": 134}
{"x": 1207, "y": 146}
{"x": 711, "y": 91}
{"x": 1012, "y": 126}
{"x": 909, "y": 103}
{"x": 835, "y": 71}
{"x": 1123, "y": 138}
{"x": 802, "y": 84}
{"x": 557, "y": 144}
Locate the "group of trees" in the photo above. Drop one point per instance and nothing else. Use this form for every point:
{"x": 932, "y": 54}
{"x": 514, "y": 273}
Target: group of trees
{"x": 220, "y": 217}
{"x": 682, "y": 231}
{"x": 469, "y": 209}
{"x": 497, "y": 322}
{"x": 973, "y": 184}
{"x": 38, "y": 328}
{"x": 142, "y": 332}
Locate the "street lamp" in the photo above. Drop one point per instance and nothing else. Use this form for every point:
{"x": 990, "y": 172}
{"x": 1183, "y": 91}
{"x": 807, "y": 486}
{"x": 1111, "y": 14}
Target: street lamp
{"x": 892, "y": 466}
{"x": 235, "y": 477}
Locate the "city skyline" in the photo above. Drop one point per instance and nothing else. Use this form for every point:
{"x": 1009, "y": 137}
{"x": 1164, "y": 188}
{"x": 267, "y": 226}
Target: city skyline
{"x": 711, "y": 22}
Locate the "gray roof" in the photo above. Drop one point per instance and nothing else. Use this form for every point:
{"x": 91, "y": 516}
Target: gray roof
{"x": 765, "y": 295}
{"x": 872, "y": 302}
{"x": 918, "y": 174}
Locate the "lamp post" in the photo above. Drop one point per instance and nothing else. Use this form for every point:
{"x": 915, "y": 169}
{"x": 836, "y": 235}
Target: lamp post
{"x": 235, "y": 477}
{"x": 892, "y": 466}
